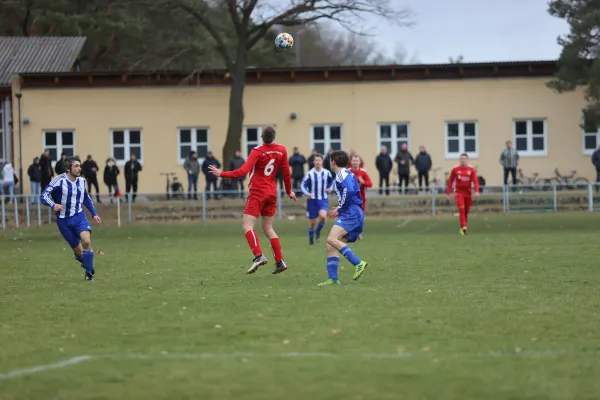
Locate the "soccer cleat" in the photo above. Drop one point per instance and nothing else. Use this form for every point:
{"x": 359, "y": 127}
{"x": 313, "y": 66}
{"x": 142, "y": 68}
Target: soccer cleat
{"x": 330, "y": 282}
{"x": 258, "y": 261}
{"x": 463, "y": 231}
{"x": 279, "y": 267}
{"x": 359, "y": 269}
{"x": 89, "y": 277}
{"x": 359, "y": 237}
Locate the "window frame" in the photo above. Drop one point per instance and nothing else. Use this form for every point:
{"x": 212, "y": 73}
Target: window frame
{"x": 589, "y": 152}
{"x": 245, "y": 142}
{"x": 394, "y": 139}
{"x": 530, "y": 135}
{"x": 327, "y": 134}
{"x": 461, "y": 139}
{"x": 127, "y": 145}
{"x": 3, "y": 132}
{"x": 194, "y": 144}
{"x": 59, "y": 147}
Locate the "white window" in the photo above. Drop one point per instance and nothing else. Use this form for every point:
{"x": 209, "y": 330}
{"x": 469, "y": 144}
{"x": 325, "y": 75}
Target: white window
{"x": 326, "y": 137}
{"x": 393, "y": 136}
{"x": 124, "y": 143}
{"x": 591, "y": 136}
{"x": 195, "y": 139}
{"x": 58, "y": 142}
{"x": 461, "y": 137}
{"x": 530, "y": 137}
{"x": 252, "y": 138}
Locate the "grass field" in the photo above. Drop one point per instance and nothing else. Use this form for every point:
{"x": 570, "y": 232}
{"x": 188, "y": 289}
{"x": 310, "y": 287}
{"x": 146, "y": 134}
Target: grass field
{"x": 508, "y": 312}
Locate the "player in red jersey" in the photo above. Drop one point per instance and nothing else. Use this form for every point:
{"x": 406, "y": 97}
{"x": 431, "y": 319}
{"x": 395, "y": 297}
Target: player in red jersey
{"x": 363, "y": 178}
{"x": 465, "y": 177}
{"x": 262, "y": 165}
{"x": 361, "y": 163}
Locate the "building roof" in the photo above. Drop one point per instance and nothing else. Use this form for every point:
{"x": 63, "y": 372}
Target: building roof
{"x": 37, "y": 54}
{"x": 295, "y": 75}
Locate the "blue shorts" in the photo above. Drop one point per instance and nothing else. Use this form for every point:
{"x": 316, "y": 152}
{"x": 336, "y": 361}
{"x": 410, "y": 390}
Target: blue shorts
{"x": 352, "y": 221}
{"x": 313, "y": 206}
{"x": 72, "y": 227}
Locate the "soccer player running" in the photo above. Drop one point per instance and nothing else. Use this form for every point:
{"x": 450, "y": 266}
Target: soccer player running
{"x": 262, "y": 165}
{"x": 465, "y": 176}
{"x": 362, "y": 177}
{"x": 350, "y": 220}
{"x": 316, "y": 186}
{"x": 66, "y": 194}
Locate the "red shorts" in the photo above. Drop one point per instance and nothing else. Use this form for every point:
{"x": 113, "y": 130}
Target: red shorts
{"x": 260, "y": 204}
{"x": 463, "y": 200}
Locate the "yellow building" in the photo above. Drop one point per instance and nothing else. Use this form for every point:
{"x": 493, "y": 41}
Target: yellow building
{"x": 450, "y": 109}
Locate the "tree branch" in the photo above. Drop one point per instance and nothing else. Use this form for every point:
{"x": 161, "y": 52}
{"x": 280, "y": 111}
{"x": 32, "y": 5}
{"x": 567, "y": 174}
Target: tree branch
{"x": 232, "y": 6}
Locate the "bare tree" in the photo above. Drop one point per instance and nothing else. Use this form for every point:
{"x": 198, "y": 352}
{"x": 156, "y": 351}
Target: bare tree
{"x": 456, "y": 60}
{"x": 255, "y": 19}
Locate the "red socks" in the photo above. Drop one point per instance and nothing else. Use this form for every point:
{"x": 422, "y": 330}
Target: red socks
{"x": 253, "y": 242}
{"x": 277, "y": 252}
{"x": 462, "y": 217}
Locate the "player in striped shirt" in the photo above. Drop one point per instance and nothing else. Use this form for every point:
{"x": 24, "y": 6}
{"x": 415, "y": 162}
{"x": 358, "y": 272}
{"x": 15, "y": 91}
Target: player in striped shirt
{"x": 66, "y": 194}
{"x": 316, "y": 186}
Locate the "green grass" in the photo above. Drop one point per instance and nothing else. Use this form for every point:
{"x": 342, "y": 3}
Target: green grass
{"x": 508, "y": 312}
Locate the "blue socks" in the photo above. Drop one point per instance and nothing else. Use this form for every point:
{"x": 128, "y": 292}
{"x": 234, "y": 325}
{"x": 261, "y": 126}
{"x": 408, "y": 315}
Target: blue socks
{"x": 311, "y": 235}
{"x": 320, "y": 228}
{"x": 78, "y": 259}
{"x": 332, "y": 267}
{"x": 350, "y": 256}
{"x": 88, "y": 260}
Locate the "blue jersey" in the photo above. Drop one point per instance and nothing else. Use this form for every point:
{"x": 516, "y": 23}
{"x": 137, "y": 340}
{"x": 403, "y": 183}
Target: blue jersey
{"x": 348, "y": 191}
{"x": 70, "y": 195}
{"x": 316, "y": 183}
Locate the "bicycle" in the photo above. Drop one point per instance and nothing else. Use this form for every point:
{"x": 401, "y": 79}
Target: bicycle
{"x": 570, "y": 182}
{"x": 531, "y": 182}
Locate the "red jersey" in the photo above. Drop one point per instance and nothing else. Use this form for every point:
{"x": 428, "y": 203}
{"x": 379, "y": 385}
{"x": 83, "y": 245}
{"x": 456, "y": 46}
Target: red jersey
{"x": 361, "y": 173}
{"x": 465, "y": 177}
{"x": 262, "y": 165}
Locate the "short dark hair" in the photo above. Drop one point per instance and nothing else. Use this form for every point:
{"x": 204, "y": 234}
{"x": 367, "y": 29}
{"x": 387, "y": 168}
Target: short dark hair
{"x": 464, "y": 154}
{"x": 318, "y": 155}
{"x": 268, "y": 134}
{"x": 340, "y": 157}
{"x": 69, "y": 162}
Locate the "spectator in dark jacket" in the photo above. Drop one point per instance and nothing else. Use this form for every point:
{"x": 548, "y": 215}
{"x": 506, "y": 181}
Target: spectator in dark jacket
{"x": 596, "y": 162}
{"x": 423, "y": 165}
{"x": 210, "y": 178}
{"x": 297, "y": 162}
{"x": 384, "y": 165}
{"x": 59, "y": 166}
{"x": 47, "y": 171}
{"x": 192, "y": 168}
{"x": 35, "y": 178}
{"x": 111, "y": 172}
{"x": 311, "y": 159}
{"x": 404, "y": 159}
{"x": 89, "y": 170}
{"x": 236, "y": 162}
{"x": 132, "y": 170}
{"x": 327, "y": 161}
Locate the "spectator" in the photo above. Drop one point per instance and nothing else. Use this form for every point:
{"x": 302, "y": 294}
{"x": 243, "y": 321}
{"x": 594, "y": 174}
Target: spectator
{"x": 89, "y": 170}
{"x": 596, "y": 162}
{"x": 210, "y": 178}
{"x": 111, "y": 172}
{"x": 132, "y": 170}
{"x": 47, "y": 171}
{"x": 423, "y": 165}
{"x": 9, "y": 181}
{"x": 327, "y": 161}
{"x": 384, "y": 165}
{"x": 297, "y": 162}
{"x": 404, "y": 159}
{"x": 192, "y": 167}
{"x": 59, "y": 167}
{"x": 311, "y": 159}
{"x": 509, "y": 159}
{"x": 35, "y": 178}
{"x": 236, "y": 162}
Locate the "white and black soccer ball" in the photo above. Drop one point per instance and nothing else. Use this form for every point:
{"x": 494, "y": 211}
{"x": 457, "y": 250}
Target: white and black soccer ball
{"x": 284, "y": 41}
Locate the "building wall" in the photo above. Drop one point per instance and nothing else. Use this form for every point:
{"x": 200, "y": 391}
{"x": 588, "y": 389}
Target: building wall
{"x": 425, "y": 105}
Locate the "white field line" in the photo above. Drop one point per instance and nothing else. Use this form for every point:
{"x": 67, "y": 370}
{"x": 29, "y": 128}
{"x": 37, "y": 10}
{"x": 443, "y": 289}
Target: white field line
{"x": 427, "y": 229}
{"x": 404, "y": 223}
{"x": 195, "y": 356}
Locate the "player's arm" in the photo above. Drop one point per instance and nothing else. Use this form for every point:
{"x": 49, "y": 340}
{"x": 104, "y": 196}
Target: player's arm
{"x": 285, "y": 172}
{"x": 330, "y": 181}
{"x": 450, "y": 182}
{"x": 244, "y": 169}
{"x": 475, "y": 181}
{"x": 306, "y": 184}
{"x": 46, "y": 196}
{"x": 368, "y": 182}
{"x": 89, "y": 204}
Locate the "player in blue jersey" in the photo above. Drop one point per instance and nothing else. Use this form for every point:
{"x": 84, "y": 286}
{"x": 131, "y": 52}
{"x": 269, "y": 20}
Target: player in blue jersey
{"x": 316, "y": 186}
{"x": 349, "y": 222}
{"x": 66, "y": 194}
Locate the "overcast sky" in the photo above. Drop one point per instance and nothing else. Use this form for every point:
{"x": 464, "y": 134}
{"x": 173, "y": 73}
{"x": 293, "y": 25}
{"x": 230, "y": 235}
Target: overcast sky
{"x": 480, "y": 30}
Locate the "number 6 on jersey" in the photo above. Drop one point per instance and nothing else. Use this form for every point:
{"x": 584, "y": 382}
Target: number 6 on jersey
{"x": 270, "y": 167}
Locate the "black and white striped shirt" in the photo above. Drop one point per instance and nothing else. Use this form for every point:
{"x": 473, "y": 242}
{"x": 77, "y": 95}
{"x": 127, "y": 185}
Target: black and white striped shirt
{"x": 509, "y": 158}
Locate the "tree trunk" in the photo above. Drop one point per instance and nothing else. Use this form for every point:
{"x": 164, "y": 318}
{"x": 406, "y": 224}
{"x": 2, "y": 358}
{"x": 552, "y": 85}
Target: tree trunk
{"x": 237, "y": 73}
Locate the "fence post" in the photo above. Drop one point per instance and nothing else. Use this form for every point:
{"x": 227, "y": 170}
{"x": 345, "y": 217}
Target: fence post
{"x": 27, "y": 212}
{"x": 504, "y": 200}
{"x": 203, "y": 206}
{"x": 433, "y": 198}
{"x": 39, "y": 211}
{"x": 590, "y": 197}
{"x": 118, "y": 211}
{"x": 279, "y": 211}
{"x": 554, "y": 195}
{"x": 16, "y": 212}
{"x": 3, "y": 213}
{"x": 129, "y": 201}
{"x": 49, "y": 216}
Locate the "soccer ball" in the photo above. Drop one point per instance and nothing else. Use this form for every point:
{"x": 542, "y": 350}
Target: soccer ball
{"x": 284, "y": 41}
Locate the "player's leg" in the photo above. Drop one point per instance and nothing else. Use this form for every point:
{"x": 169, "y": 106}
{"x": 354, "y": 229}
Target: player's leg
{"x": 72, "y": 238}
{"x": 468, "y": 205}
{"x": 311, "y": 214}
{"x": 311, "y": 230}
{"x": 269, "y": 208}
{"x": 248, "y": 220}
{"x": 83, "y": 230}
{"x": 321, "y": 224}
{"x": 460, "y": 204}
{"x": 333, "y": 261}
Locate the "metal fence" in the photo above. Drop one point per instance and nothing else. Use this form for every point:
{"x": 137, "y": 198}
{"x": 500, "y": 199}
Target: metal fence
{"x": 229, "y": 205}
